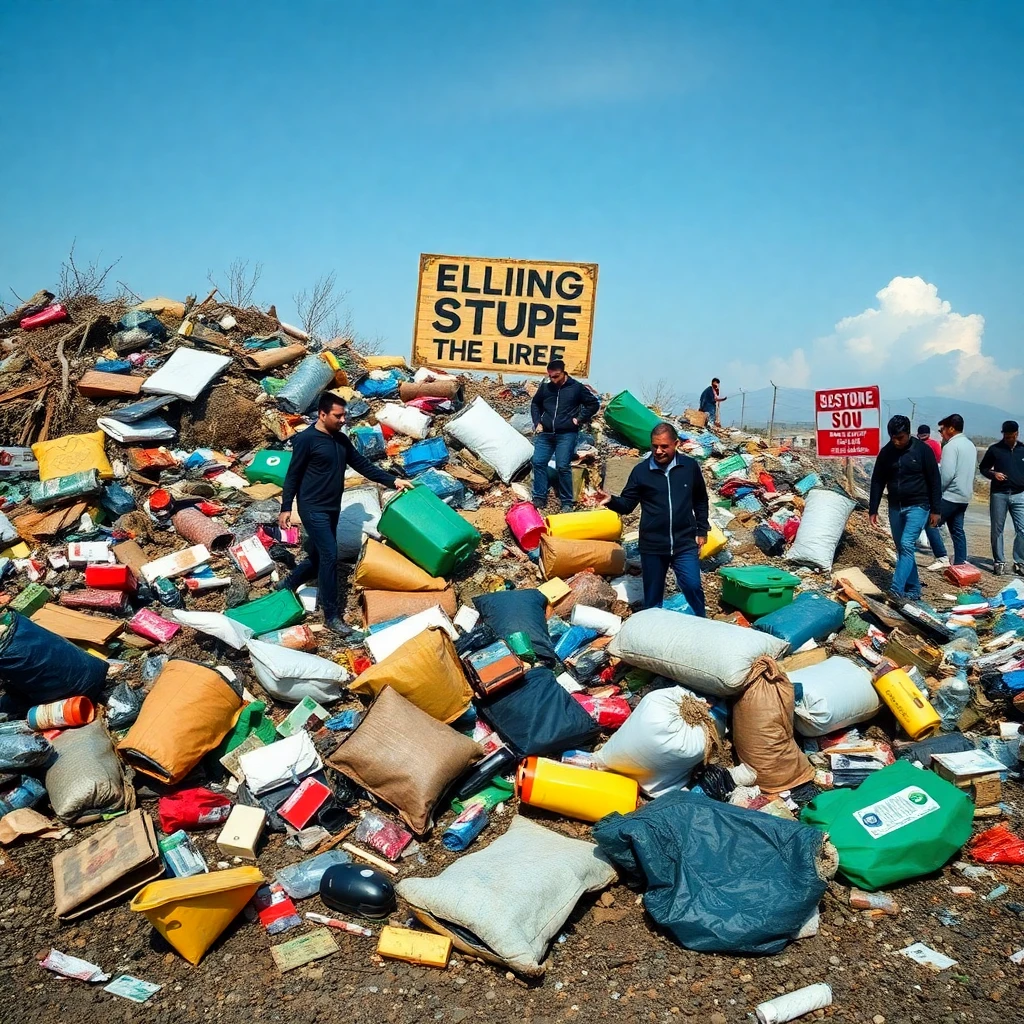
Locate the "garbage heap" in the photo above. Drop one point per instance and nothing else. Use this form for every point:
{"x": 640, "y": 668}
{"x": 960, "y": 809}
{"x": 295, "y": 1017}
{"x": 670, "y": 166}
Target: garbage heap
{"x": 193, "y": 740}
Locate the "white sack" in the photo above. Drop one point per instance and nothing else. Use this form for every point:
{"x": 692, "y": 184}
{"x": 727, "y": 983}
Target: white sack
{"x": 360, "y": 513}
{"x": 821, "y": 527}
{"x": 606, "y": 623}
{"x": 629, "y": 589}
{"x": 654, "y": 745}
{"x": 233, "y": 633}
{"x": 405, "y": 419}
{"x": 837, "y": 693}
{"x": 152, "y": 428}
{"x": 281, "y": 762}
{"x": 707, "y": 656}
{"x": 186, "y": 374}
{"x": 291, "y": 675}
{"x": 7, "y": 531}
{"x": 487, "y": 434}
{"x": 387, "y": 641}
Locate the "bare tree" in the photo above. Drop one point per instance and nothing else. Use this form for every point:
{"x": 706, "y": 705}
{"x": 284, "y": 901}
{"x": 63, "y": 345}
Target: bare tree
{"x": 369, "y": 346}
{"x": 322, "y": 309}
{"x": 661, "y": 396}
{"x": 239, "y": 282}
{"x": 77, "y": 281}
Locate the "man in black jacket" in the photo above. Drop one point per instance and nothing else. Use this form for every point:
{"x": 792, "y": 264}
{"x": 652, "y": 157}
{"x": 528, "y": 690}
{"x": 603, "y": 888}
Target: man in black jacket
{"x": 907, "y": 469}
{"x": 1003, "y": 464}
{"x": 669, "y": 488}
{"x": 558, "y": 408}
{"x": 316, "y": 474}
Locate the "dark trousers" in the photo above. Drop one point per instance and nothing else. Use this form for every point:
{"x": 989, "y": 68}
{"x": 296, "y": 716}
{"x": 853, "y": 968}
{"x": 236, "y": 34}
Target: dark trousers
{"x": 686, "y": 566}
{"x": 952, "y": 516}
{"x": 321, "y": 559}
{"x": 563, "y": 447}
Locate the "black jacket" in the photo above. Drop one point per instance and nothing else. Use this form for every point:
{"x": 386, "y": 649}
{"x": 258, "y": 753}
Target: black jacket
{"x": 667, "y": 526}
{"x": 317, "y": 471}
{"x": 555, "y": 408}
{"x": 911, "y": 476}
{"x": 1001, "y": 458}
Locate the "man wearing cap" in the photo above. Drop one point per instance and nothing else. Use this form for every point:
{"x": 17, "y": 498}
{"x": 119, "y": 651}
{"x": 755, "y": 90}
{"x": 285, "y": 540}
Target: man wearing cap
{"x": 1003, "y": 464}
{"x": 924, "y": 433}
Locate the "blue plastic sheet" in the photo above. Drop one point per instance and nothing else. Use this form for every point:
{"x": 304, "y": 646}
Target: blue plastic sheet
{"x": 811, "y": 616}
{"x": 423, "y": 455}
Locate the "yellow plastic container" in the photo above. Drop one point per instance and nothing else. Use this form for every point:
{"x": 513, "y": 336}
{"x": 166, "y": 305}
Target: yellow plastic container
{"x": 424, "y": 948}
{"x": 574, "y": 792}
{"x": 715, "y": 542}
{"x": 191, "y": 913}
{"x": 596, "y": 524}
{"x": 910, "y": 706}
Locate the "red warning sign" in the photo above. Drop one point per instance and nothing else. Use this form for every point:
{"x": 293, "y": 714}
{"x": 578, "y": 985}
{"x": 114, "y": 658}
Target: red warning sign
{"x": 849, "y": 422}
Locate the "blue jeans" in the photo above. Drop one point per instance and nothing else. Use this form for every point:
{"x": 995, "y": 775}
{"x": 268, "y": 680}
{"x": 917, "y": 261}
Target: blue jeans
{"x": 321, "y": 559}
{"x": 686, "y": 566}
{"x": 563, "y": 446}
{"x": 998, "y": 505}
{"x": 906, "y": 525}
{"x": 952, "y": 516}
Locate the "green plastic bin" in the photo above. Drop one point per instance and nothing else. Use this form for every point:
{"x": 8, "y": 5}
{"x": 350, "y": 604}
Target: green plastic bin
{"x": 631, "y": 420}
{"x": 757, "y": 589}
{"x": 269, "y": 467}
{"x": 274, "y": 611}
{"x": 420, "y": 525}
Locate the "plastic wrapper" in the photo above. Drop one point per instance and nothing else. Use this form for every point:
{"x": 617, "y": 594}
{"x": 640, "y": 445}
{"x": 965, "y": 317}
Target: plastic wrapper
{"x": 608, "y": 712}
{"x": 123, "y": 706}
{"x": 997, "y": 845}
{"x": 386, "y": 837}
{"x": 302, "y": 880}
{"x": 471, "y": 821}
{"x": 21, "y": 748}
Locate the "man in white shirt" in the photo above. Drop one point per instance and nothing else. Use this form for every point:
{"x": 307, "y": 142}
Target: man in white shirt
{"x": 957, "y": 469}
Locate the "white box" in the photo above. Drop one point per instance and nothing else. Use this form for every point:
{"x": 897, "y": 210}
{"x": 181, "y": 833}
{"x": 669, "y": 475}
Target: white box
{"x": 242, "y": 831}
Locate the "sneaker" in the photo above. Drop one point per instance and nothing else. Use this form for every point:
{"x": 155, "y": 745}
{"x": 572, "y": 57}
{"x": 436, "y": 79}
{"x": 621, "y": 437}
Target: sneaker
{"x": 998, "y": 568}
{"x": 567, "y": 508}
{"x": 1018, "y": 568}
{"x": 343, "y": 629}
{"x": 898, "y": 598}
{"x": 939, "y": 565}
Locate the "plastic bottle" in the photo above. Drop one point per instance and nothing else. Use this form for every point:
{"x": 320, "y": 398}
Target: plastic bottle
{"x": 950, "y": 700}
{"x": 907, "y": 701}
{"x": 167, "y": 593}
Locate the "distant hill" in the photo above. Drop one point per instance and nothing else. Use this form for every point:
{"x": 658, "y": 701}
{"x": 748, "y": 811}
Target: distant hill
{"x": 795, "y": 407}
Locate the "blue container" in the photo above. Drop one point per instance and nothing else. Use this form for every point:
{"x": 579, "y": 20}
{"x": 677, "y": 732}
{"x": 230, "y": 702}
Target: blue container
{"x": 428, "y": 454}
{"x": 811, "y": 616}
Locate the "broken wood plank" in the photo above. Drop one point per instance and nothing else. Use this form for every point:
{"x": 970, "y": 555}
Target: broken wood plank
{"x": 77, "y": 626}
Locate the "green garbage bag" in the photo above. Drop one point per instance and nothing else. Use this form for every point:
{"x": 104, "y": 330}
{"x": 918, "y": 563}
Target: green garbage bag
{"x": 900, "y": 823}
{"x": 274, "y": 611}
{"x": 631, "y": 420}
{"x": 251, "y": 719}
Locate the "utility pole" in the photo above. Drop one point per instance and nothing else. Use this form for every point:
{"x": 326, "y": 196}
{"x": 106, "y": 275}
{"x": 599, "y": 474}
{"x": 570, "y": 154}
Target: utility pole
{"x": 913, "y": 410}
{"x": 743, "y": 408}
{"x": 771, "y": 424}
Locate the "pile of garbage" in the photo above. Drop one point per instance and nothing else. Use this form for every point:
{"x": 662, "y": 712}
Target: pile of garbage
{"x": 170, "y": 718}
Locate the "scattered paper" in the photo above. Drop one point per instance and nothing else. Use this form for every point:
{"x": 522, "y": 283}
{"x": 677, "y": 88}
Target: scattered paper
{"x": 135, "y": 989}
{"x": 928, "y": 957}
{"x": 303, "y": 950}
{"x": 72, "y": 967}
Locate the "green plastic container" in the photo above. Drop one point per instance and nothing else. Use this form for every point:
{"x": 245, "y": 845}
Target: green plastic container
{"x": 631, "y": 420}
{"x": 757, "y": 589}
{"x": 733, "y": 464}
{"x": 420, "y": 525}
{"x": 269, "y": 467}
{"x": 274, "y": 611}
{"x": 900, "y": 823}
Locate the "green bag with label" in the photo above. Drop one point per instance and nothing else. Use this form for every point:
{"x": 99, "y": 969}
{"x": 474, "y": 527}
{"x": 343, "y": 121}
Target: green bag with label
{"x": 275, "y": 610}
{"x": 900, "y": 823}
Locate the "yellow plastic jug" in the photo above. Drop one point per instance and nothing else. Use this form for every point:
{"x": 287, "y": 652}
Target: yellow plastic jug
{"x": 191, "y": 913}
{"x": 715, "y": 542}
{"x": 595, "y": 524}
{"x": 575, "y": 792}
{"x": 910, "y": 706}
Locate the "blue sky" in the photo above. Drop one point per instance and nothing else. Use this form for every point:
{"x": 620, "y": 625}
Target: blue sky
{"x": 827, "y": 193}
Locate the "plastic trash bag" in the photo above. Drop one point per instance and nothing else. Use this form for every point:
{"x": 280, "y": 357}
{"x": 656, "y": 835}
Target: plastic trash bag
{"x": 22, "y": 748}
{"x": 124, "y": 705}
{"x": 821, "y": 528}
{"x": 303, "y": 879}
{"x": 720, "y": 878}
{"x": 137, "y": 329}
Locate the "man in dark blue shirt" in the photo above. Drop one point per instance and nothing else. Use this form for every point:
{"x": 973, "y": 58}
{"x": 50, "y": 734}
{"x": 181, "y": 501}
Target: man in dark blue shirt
{"x": 316, "y": 476}
{"x": 669, "y": 488}
{"x": 710, "y": 400}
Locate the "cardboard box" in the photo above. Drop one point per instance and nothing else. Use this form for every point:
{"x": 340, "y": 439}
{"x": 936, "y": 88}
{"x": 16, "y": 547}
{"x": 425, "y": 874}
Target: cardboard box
{"x": 252, "y": 558}
{"x": 242, "y": 831}
{"x": 978, "y": 774}
{"x": 178, "y": 564}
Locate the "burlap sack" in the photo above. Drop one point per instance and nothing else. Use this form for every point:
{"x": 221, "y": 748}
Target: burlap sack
{"x": 384, "y": 568}
{"x": 586, "y": 588}
{"x": 426, "y": 671}
{"x": 562, "y": 557}
{"x": 404, "y": 757}
{"x": 385, "y": 605}
{"x": 762, "y": 730}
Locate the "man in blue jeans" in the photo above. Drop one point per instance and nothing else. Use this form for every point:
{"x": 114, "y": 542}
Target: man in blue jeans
{"x": 560, "y": 405}
{"x": 1003, "y": 464}
{"x": 669, "y": 488}
{"x": 907, "y": 470}
{"x": 956, "y": 471}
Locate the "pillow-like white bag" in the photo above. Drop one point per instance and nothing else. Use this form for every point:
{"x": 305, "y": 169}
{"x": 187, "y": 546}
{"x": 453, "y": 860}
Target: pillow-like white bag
{"x": 291, "y": 675}
{"x": 821, "y": 528}
{"x": 405, "y": 419}
{"x": 152, "y": 428}
{"x": 387, "y": 641}
{"x": 707, "y": 656}
{"x": 360, "y": 513}
{"x": 514, "y": 895}
{"x": 487, "y": 434}
{"x": 837, "y": 693}
{"x": 654, "y": 745}
{"x": 186, "y": 374}
{"x": 287, "y": 760}
{"x": 234, "y": 634}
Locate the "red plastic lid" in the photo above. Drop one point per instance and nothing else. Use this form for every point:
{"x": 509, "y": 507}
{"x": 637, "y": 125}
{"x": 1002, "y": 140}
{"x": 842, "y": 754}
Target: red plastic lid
{"x": 159, "y": 500}
{"x": 525, "y": 775}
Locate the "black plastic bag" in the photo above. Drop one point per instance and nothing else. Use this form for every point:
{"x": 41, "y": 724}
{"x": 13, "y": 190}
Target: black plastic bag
{"x": 514, "y": 611}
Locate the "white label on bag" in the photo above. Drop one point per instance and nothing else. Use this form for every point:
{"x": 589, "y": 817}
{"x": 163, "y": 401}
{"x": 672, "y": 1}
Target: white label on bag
{"x": 892, "y": 813}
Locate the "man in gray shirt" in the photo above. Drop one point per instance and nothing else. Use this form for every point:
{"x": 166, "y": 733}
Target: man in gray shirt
{"x": 957, "y": 469}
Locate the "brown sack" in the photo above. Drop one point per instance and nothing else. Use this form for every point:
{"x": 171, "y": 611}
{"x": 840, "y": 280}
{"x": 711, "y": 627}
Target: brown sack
{"x": 385, "y": 605}
{"x": 188, "y": 712}
{"x": 762, "y": 730}
{"x": 430, "y": 389}
{"x": 270, "y": 358}
{"x": 426, "y": 671}
{"x": 585, "y": 588}
{"x": 197, "y": 528}
{"x": 384, "y": 568}
{"x": 561, "y": 556}
{"x": 95, "y": 384}
{"x": 404, "y": 757}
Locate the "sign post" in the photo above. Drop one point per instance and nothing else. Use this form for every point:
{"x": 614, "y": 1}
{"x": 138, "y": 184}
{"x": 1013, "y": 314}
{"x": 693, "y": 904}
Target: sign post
{"x": 848, "y": 422}
{"x": 513, "y": 316}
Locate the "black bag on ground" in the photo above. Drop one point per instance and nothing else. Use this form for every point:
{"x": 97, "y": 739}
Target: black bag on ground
{"x": 515, "y": 611}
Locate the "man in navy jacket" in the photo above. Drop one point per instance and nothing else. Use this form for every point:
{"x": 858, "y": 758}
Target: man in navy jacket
{"x": 669, "y": 488}
{"x": 560, "y": 405}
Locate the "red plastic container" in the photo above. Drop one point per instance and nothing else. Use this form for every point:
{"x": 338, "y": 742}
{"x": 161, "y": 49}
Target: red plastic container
{"x": 109, "y": 577}
{"x": 963, "y": 575}
{"x": 192, "y": 809}
{"x": 51, "y": 315}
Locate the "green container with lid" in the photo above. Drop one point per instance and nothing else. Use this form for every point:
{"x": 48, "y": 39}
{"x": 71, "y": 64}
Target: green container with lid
{"x": 757, "y": 589}
{"x": 631, "y": 420}
{"x": 270, "y": 466}
{"x": 427, "y": 531}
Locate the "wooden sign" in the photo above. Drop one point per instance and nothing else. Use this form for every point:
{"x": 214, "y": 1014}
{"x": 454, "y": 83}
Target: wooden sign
{"x": 513, "y": 316}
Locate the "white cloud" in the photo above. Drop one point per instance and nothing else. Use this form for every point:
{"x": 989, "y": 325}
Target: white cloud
{"x": 792, "y": 371}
